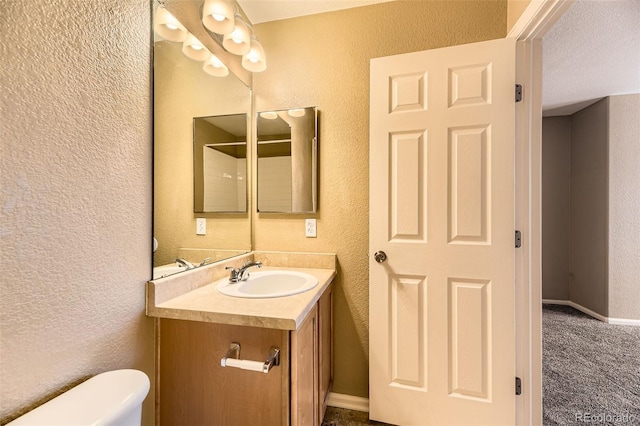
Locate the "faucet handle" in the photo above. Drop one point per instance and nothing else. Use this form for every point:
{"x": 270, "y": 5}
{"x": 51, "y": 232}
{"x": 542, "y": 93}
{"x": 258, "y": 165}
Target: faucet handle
{"x": 204, "y": 262}
{"x": 234, "y": 276}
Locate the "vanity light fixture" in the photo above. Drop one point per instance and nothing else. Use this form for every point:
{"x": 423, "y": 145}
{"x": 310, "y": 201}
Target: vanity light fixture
{"x": 269, "y": 115}
{"x": 193, "y": 49}
{"x": 167, "y": 26}
{"x": 254, "y": 60}
{"x": 238, "y": 41}
{"x": 298, "y": 112}
{"x": 218, "y": 16}
{"x": 215, "y": 67}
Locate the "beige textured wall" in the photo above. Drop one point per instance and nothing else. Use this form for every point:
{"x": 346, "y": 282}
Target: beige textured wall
{"x": 323, "y": 61}
{"x": 182, "y": 91}
{"x": 589, "y": 207}
{"x": 556, "y": 207}
{"x": 75, "y": 192}
{"x": 624, "y": 205}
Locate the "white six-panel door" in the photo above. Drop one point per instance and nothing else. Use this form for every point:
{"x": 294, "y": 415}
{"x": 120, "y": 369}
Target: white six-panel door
{"x": 442, "y": 337}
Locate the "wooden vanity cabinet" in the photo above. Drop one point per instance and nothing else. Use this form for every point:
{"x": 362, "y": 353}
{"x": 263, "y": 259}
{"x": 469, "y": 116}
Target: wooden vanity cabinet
{"x": 193, "y": 388}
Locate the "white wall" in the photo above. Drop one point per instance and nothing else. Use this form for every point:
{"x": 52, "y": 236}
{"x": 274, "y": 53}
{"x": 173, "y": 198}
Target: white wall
{"x": 75, "y": 195}
{"x": 624, "y": 206}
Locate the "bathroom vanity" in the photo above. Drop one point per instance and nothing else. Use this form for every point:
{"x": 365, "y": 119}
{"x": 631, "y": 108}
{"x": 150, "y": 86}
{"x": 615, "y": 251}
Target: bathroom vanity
{"x": 197, "y": 327}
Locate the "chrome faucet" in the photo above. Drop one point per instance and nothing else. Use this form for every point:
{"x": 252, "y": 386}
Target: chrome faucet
{"x": 242, "y": 273}
{"x": 185, "y": 263}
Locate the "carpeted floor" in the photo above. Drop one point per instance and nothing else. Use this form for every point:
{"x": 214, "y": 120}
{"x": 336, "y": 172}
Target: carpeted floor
{"x": 590, "y": 373}
{"x": 591, "y": 370}
{"x": 341, "y": 417}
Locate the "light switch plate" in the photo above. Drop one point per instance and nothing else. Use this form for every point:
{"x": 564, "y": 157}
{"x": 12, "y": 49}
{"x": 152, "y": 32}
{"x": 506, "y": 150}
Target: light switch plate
{"x": 201, "y": 226}
{"x": 310, "y": 228}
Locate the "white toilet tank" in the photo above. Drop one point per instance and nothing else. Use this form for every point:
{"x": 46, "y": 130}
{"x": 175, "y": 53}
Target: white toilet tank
{"x": 111, "y": 398}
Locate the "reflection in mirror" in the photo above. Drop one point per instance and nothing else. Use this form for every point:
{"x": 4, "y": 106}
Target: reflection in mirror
{"x": 287, "y": 161}
{"x": 220, "y": 163}
{"x": 182, "y": 91}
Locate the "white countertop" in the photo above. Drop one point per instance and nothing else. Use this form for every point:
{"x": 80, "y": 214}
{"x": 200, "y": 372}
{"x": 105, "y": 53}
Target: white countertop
{"x": 206, "y": 304}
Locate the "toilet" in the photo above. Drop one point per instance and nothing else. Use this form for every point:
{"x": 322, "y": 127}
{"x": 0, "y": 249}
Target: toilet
{"x": 111, "y": 398}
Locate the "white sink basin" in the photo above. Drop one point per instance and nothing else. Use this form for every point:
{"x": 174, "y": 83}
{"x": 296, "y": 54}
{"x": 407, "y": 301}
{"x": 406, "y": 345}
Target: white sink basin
{"x": 265, "y": 284}
{"x": 170, "y": 269}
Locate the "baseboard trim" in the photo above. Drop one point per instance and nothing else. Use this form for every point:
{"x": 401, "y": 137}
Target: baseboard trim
{"x": 614, "y": 321}
{"x": 349, "y": 402}
{"x": 624, "y": 321}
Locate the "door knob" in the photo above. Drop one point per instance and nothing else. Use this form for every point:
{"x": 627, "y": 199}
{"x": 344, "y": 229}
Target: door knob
{"x": 380, "y": 256}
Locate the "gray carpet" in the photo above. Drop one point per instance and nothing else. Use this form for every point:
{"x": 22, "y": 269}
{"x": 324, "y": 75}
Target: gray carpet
{"x": 591, "y": 370}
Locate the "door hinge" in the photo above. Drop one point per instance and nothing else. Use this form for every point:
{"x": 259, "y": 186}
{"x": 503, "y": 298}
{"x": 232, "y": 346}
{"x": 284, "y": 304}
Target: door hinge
{"x": 518, "y": 386}
{"x": 518, "y": 239}
{"x": 518, "y": 92}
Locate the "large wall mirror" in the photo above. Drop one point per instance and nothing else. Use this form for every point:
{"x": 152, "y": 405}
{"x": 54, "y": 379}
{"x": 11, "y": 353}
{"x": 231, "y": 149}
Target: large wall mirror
{"x": 184, "y": 92}
{"x": 287, "y": 161}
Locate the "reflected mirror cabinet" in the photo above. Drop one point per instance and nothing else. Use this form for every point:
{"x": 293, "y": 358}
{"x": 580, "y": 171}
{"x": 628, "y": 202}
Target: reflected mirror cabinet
{"x": 287, "y": 160}
{"x": 203, "y": 152}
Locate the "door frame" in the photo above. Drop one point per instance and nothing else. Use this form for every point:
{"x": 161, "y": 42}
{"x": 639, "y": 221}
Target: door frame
{"x": 533, "y": 24}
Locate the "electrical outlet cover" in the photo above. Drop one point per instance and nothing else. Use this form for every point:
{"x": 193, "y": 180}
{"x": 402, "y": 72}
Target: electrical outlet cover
{"x": 201, "y": 226}
{"x": 310, "y": 228}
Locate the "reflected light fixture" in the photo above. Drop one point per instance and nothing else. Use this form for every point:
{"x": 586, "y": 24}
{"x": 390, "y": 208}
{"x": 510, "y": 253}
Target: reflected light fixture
{"x": 193, "y": 49}
{"x": 238, "y": 41}
{"x": 167, "y": 26}
{"x": 298, "y": 112}
{"x": 218, "y": 16}
{"x": 254, "y": 60}
{"x": 269, "y": 115}
{"x": 215, "y": 67}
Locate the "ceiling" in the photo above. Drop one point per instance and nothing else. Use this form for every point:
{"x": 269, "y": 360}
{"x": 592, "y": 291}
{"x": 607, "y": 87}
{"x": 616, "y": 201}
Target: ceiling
{"x": 593, "y": 51}
{"x": 273, "y": 10}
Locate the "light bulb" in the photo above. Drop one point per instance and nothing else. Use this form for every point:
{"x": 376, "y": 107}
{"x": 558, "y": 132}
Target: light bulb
{"x": 236, "y": 36}
{"x": 218, "y": 16}
{"x": 255, "y": 60}
{"x": 238, "y": 41}
{"x": 297, "y": 112}
{"x": 168, "y": 27}
{"x": 269, "y": 115}
{"x": 193, "y": 49}
{"x": 253, "y": 56}
{"x": 215, "y": 67}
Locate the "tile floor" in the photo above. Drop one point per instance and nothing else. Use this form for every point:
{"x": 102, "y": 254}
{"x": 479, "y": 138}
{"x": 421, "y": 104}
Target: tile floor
{"x": 342, "y": 417}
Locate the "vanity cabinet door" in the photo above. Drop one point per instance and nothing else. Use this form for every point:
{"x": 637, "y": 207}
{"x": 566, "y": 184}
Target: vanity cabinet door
{"x": 311, "y": 364}
{"x": 325, "y": 350}
{"x": 304, "y": 372}
{"x": 195, "y": 390}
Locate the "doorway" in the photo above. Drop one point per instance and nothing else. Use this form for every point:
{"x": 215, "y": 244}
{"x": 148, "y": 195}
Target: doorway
{"x": 585, "y": 268}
